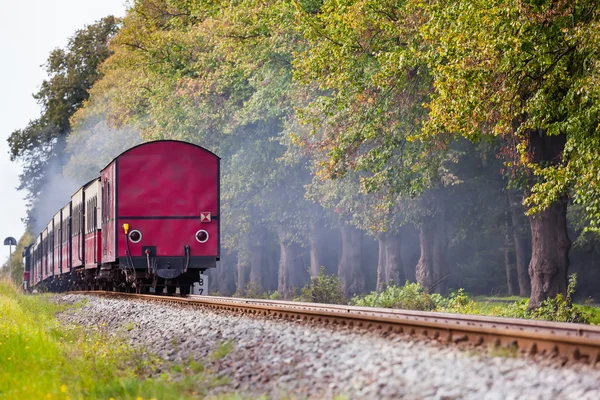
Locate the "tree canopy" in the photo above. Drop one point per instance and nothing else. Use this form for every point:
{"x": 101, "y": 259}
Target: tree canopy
{"x": 342, "y": 122}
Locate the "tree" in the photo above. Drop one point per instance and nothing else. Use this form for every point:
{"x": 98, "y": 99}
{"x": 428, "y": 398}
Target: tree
{"x": 40, "y": 146}
{"x": 371, "y": 89}
{"x": 522, "y": 71}
{"x": 219, "y": 75}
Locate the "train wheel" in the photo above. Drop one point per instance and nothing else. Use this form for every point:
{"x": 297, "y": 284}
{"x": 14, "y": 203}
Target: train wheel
{"x": 159, "y": 289}
{"x": 171, "y": 289}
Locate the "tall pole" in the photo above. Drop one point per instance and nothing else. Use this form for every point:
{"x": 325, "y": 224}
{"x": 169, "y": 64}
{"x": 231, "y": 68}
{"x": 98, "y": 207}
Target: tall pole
{"x": 10, "y": 260}
{"x": 10, "y": 242}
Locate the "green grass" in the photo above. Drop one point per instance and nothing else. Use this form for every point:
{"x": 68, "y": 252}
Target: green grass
{"x": 221, "y": 351}
{"x": 41, "y": 359}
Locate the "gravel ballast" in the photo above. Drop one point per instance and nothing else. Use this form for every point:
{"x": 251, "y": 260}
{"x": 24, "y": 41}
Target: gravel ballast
{"x": 282, "y": 359}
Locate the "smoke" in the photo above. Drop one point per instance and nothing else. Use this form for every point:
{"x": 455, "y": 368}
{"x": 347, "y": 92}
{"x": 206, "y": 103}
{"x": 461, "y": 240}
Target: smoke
{"x": 93, "y": 144}
{"x": 54, "y": 195}
{"x": 90, "y": 147}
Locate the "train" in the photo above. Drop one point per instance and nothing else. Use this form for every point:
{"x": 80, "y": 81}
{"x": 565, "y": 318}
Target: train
{"x": 149, "y": 223}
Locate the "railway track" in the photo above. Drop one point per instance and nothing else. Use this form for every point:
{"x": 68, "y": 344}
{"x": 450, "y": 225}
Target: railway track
{"x": 572, "y": 341}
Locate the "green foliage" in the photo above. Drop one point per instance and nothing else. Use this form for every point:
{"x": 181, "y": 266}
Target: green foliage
{"x": 323, "y": 289}
{"x": 411, "y": 296}
{"x": 253, "y": 291}
{"x": 456, "y": 302}
{"x": 520, "y": 71}
{"x": 355, "y": 105}
{"x": 558, "y": 309}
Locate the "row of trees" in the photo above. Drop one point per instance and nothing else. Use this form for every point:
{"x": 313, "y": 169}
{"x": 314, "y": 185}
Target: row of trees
{"x": 340, "y": 120}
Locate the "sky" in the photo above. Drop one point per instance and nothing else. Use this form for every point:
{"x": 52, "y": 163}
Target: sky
{"x": 29, "y": 31}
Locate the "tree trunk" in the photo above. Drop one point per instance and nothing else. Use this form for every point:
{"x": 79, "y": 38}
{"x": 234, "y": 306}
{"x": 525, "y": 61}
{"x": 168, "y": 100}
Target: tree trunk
{"x": 225, "y": 284}
{"x": 550, "y": 242}
{"x": 382, "y": 262}
{"x": 440, "y": 255}
{"x": 521, "y": 229}
{"x": 316, "y": 246}
{"x": 550, "y": 246}
{"x": 349, "y": 269}
{"x": 257, "y": 265}
{"x": 243, "y": 271}
{"x": 509, "y": 248}
{"x": 291, "y": 264}
{"x": 410, "y": 251}
{"x": 393, "y": 255}
{"x": 424, "y": 269}
{"x": 432, "y": 268}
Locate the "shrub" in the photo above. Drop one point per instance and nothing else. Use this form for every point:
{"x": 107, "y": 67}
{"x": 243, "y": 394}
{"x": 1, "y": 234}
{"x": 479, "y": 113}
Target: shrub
{"x": 558, "y": 309}
{"x": 456, "y": 302}
{"x": 323, "y": 289}
{"x": 253, "y": 291}
{"x": 411, "y": 296}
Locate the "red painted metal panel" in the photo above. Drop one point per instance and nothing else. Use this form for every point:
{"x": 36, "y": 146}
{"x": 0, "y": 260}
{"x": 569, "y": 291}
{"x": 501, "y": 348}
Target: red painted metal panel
{"x": 170, "y": 236}
{"x": 77, "y": 227}
{"x": 77, "y": 250}
{"x": 174, "y": 181}
{"x": 108, "y": 213}
{"x": 93, "y": 247}
{"x": 54, "y": 246}
{"x": 57, "y": 245}
{"x": 167, "y": 179}
{"x": 44, "y": 254}
{"x": 66, "y": 260}
{"x": 36, "y": 261}
{"x": 50, "y": 251}
{"x": 98, "y": 246}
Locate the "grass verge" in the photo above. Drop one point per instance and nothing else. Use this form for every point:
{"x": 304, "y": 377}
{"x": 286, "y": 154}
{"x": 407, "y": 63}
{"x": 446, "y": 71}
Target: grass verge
{"x": 42, "y": 359}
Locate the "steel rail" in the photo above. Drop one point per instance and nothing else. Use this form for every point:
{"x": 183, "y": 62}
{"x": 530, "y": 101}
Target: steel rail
{"x": 576, "y": 341}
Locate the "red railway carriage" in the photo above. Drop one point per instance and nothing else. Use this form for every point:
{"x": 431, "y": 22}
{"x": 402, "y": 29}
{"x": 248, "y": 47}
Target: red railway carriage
{"x": 27, "y": 273}
{"x": 44, "y": 255}
{"x": 36, "y": 260}
{"x": 56, "y": 243}
{"x": 150, "y": 220}
{"x": 91, "y": 228}
{"x": 77, "y": 223}
{"x": 50, "y": 248}
{"x": 65, "y": 238}
{"x": 160, "y": 212}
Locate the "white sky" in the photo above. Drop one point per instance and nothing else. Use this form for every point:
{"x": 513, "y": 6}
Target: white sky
{"x": 29, "y": 30}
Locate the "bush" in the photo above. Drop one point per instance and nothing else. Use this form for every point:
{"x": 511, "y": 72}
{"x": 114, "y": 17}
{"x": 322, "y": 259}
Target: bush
{"x": 558, "y": 309}
{"x": 411, "y": 296}
{"x": 323, "y": 289}
{"x": 457, "y": 302}
{"x": 253, "y": 291}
